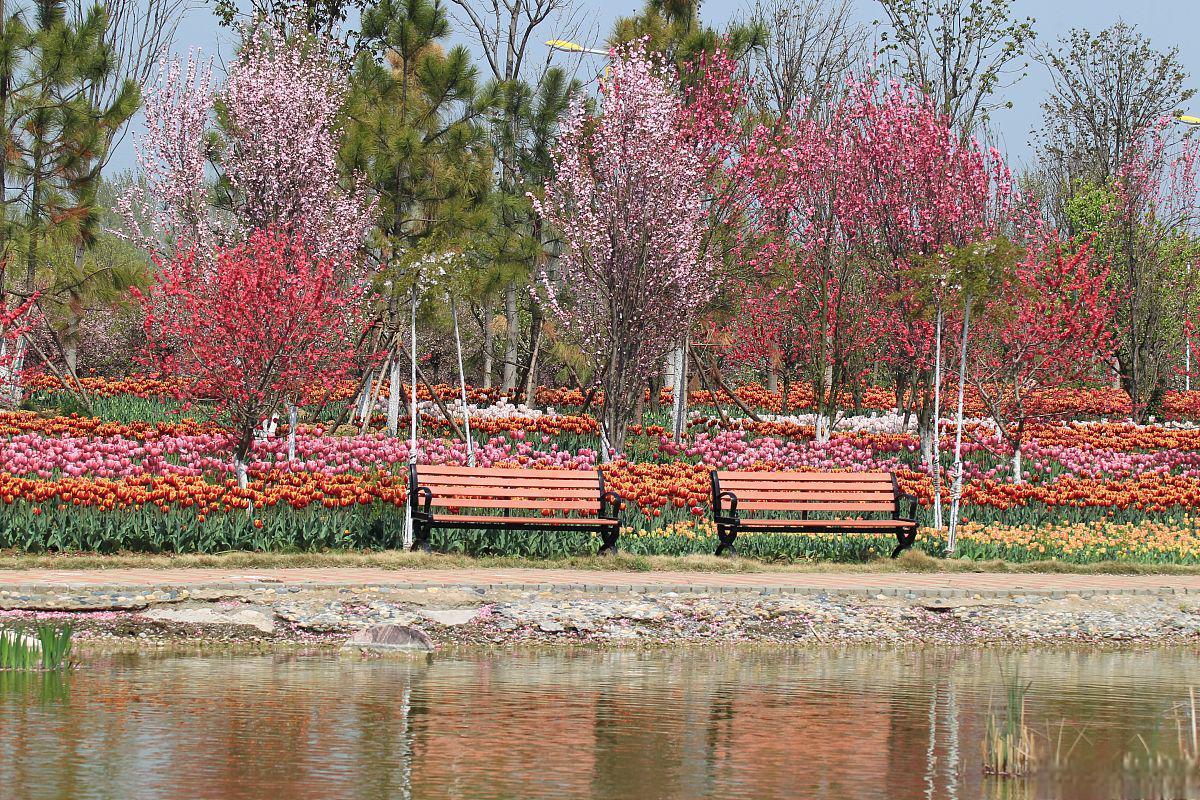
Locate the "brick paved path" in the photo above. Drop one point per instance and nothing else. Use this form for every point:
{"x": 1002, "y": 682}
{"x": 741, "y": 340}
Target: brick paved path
{"x": 924, "y": 584}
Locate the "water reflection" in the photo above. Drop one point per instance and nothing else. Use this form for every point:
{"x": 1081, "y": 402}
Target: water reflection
{"x": 666, "y": 725}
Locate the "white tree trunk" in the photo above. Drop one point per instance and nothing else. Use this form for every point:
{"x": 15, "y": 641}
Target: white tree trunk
{"x": 512, "y": 338}
{"x": 679, "y": 392}
{"x": 14, "y": 390}
{"x": 956, "y": 488}
{"x": 364, "y": 397}
{"x": 772, "y": 381}
{"x": 394, "y": 390}
{"x": 1018, "y": 477}
{"x": 489, "y": 345}
{"x": 462, "y": 385}
{"x": 935, "y": 465}
{"x": 823, "y": 424}
{"x": 291, "y": 431}
{"x": 239, "y": 470}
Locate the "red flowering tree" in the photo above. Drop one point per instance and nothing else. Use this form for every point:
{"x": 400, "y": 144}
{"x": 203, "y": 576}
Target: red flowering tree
{"x": 1049, "y": 325}
{"x": 254, "y": 325}
{"x": 923, "y": 190}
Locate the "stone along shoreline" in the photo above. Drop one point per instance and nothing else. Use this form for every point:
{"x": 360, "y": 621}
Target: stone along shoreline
{"x": 503, "y": 607}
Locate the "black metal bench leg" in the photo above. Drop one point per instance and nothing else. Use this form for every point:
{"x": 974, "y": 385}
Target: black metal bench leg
{"x": 420, "y": 537}
{"x": 903, "y": 542}
{"x": 725, "y": 543}
{"x": 608, "y": 544}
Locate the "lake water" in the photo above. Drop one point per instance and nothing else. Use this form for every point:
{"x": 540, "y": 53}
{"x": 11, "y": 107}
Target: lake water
{"x": 673, "y": 724}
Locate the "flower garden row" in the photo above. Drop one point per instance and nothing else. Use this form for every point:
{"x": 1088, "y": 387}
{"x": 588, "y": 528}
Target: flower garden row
{"x": 1073, "y": 402}
{"x": 1095, "y": 490}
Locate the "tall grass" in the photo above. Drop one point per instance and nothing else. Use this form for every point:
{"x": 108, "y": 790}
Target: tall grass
{"x": 47, "y": 649}
{"x": 1009, "y": 748}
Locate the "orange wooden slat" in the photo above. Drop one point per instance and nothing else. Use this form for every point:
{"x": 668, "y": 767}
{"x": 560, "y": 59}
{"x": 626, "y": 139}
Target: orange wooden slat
{"x": 808, "y": 496}
{"x": 529, "y": 492}
{"x": 517, "y": 479}
{"x": 467, "y": 502}
{"x": 502, "y": 522}
{"x": 818, "y": 523}
{"x": 777, "y": 505}
{"x": 819, "y": 477}
{"x": 454, "y": 469}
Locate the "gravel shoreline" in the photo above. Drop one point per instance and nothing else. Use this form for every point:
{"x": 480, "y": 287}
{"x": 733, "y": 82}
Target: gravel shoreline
{"x": 268, "y": 615}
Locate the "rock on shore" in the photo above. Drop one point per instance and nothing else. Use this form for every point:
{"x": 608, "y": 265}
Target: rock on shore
{"x": 476, "y": 616}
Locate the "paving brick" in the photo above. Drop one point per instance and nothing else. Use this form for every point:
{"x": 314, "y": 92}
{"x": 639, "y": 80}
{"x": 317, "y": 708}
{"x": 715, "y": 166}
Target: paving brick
{"x": 888, "y": 584}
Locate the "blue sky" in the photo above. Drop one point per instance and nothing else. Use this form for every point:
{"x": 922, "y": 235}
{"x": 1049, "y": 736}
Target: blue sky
{"x": 1168, "y": 23}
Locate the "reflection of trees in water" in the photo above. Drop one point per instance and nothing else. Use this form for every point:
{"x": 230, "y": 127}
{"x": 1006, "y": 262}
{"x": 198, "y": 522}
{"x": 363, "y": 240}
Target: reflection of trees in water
{"x": 681, "y": 723}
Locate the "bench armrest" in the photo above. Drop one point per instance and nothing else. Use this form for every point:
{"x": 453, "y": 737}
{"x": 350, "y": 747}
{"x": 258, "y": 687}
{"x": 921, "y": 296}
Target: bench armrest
{"x": 610, "y": 499}
{"x": 913, "y": 503}
{"x": 422, "y": 492}
{"x": 732, "y": 511}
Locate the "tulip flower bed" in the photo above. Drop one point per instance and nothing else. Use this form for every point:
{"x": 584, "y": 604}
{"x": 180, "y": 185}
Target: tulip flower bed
{"x": 1094, "y": 489}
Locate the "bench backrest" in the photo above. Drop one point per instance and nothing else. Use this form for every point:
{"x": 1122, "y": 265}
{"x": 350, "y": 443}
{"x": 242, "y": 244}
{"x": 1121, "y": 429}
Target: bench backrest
{"x": 811, "y": 491}
{"x": 561, "y": 490}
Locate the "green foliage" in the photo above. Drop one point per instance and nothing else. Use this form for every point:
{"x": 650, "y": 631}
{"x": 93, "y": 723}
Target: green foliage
{"x": 54, "y": 134}
{"x": 523, "y": 133}
{"x": 959, "y": 53}
{"x": 673, "y": 27}
{"x": 47, "y": 649}
{"x": 414, "y": 129}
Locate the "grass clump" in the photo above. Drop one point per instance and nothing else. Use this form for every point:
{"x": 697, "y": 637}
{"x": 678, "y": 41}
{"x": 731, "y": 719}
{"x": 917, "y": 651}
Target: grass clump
{"x": 47, "y": 649}
{"x": 1008, "y": 746}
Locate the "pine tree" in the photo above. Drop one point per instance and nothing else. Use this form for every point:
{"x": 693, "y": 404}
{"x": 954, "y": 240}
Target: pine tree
{"x": 414, "y": 131}
{"x": 54, "y": 135}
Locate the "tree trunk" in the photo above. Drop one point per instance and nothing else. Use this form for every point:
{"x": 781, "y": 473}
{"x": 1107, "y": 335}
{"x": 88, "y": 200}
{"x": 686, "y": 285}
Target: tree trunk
{"x": 71, "y": 356}
{"x": 394, "y": 390}
{"x": 361, "y": 406}
{"x": 489, "y": 346}
{"x": 291, "y": 432}
{"x": 772, "y": 381}
{"x": 935, "y": 465}
{"x": 679, "y": 396}
{"x": 529, "y": 378}
{"x": 462, "y": 388}
{"x": 956, "y": 488}
{"x": 512, "y": 339}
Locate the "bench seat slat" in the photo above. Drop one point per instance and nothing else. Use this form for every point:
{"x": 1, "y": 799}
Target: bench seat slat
{"x": 472, "y": 502}
{"x": 815, "y": 497}
{"x": 801, "y": 477}
{"x": 519, "y": 479}
{"x": 817, "y": 505}
{"x": 881, "y": 524}
{"x": 808, "y": 486}
{"x": 526, "y": 492}
{"x": 505, "y": 472}
{"x": 524, "y": 522}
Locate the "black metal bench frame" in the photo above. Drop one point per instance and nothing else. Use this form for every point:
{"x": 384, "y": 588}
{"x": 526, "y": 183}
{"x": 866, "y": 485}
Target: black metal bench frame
{"x": 730, "y": 523}
{"x": 424, "y": 519}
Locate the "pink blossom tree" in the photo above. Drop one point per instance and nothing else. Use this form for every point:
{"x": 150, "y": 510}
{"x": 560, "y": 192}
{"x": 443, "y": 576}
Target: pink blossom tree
{"x": 275, "y": 152}
{"x": 801, "y": 243}
{"x": 630, "y": 200}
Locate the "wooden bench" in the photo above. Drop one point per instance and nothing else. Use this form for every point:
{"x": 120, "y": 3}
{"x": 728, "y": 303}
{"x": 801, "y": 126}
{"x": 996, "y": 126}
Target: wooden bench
{"x": 544, "y": 499}
{"x": 840, "y": 499}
